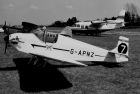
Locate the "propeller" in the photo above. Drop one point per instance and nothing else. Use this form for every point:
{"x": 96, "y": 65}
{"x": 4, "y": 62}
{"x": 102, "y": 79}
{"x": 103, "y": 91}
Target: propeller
{"x": 4, "y": 27}
{"x": 6, "y": 38}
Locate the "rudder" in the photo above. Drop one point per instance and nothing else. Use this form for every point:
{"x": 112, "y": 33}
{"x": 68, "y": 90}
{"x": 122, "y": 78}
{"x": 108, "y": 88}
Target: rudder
{"x": 122, "y": 50}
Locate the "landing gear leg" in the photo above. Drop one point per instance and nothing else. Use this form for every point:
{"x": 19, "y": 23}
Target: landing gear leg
{"x": 37, "y": 61}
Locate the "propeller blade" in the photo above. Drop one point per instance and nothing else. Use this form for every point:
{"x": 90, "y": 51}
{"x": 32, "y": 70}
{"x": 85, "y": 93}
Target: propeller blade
{"x": 5, "y": 48}
{"x": 6, "y": 39}
{"x": 4, "y": 27}
{"x": 8, "y": 30}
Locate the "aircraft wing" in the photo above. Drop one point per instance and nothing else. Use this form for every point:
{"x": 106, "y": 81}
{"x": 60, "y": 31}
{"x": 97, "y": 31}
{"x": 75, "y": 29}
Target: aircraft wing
{"x": 56, "y": 57}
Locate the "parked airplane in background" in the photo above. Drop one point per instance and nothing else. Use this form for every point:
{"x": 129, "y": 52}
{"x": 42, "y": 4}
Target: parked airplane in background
{"x": 98, "y": 26}
{"x": 1, "y": 30}
{"x": 66, "y": 49}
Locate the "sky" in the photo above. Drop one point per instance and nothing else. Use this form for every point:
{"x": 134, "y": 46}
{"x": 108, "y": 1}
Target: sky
{"x": 47, "y": 11}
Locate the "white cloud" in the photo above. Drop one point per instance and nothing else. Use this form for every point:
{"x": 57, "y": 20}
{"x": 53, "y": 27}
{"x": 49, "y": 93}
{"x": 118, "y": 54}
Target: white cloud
{"x": 34, "y": 7}
{"x": 69, "y": 6}
{"x": 10, "y": 5}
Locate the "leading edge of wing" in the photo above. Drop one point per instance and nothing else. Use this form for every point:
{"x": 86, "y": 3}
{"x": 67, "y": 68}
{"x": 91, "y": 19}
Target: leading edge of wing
{"x": 61, "y": 59}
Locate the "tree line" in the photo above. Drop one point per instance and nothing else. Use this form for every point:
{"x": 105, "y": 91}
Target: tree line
{"x": 131, "y": 19}
{"x": 69, "y": 22}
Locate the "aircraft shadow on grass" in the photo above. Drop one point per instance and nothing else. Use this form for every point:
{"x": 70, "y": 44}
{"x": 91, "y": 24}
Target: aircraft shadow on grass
{"x": 36, "y": 78}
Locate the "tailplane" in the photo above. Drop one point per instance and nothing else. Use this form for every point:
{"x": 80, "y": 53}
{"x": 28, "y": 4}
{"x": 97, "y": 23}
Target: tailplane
{"x": 121, "y": 52}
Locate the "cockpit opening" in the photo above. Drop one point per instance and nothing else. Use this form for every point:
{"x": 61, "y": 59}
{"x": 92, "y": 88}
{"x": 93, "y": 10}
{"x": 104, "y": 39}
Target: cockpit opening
{"x": 45, "y": 36}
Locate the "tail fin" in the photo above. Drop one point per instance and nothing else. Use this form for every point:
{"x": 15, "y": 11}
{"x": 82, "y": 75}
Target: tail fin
{"x": 122, "y": 50}
{"x": 122, "y": 13}
{"x": 120, "y": 18}
{"x": 66, "y": 32}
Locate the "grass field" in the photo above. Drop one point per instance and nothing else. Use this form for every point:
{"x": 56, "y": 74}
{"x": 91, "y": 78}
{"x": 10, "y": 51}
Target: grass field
{"x": 18, "y": 77}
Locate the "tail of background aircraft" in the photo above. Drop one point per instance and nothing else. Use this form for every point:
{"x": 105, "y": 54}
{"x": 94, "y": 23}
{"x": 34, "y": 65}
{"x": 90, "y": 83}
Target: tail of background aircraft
{"x": 66, "y": 32}
{"x": 120, "y": 53}
{"x": 122, "y": 13}
{"x": 120, "y": 18}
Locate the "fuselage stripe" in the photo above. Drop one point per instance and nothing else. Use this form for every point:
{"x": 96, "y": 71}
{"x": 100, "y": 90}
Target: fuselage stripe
{"x": 45, "y": 47}
{"x": 61, "y": 49}
{"x": 38, "y": 45}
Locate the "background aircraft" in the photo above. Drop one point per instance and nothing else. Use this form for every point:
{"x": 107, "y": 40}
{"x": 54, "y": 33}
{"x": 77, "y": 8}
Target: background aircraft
{"x": 98, "y": 26}
{"x": 1, "y": 30}
{"x": 66, "y": 49}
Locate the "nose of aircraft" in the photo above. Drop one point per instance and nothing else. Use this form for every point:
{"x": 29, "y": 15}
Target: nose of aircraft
{"x": 13, "y": 39}
{"x": 11, "y": 36}
{"x": 6, "y": 38}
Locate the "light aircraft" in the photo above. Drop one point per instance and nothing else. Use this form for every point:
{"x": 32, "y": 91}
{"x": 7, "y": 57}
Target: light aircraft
{"x": 98, "y": 26}
{"x": 66, "y": 49}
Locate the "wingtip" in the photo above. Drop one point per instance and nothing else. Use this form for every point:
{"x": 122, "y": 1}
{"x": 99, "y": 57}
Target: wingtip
{"x": 83, "y": 65}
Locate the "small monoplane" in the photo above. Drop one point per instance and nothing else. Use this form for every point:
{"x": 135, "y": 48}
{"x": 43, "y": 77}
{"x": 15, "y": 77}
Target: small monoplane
{"x": 67, "y": 49}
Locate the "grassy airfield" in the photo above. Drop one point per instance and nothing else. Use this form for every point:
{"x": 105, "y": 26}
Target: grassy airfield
{"x": 18, "y": 77}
